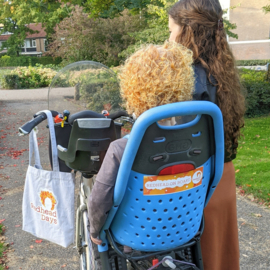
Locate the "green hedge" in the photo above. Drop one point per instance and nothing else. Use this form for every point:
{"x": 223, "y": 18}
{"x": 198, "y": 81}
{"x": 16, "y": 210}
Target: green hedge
{"x": 25, "y": 61}
{"x": 252, "y": 62}
{"x": 257, "y": 92}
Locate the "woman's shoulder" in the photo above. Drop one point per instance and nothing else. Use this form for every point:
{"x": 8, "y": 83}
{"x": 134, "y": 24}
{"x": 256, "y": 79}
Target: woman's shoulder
{"x": 204, "y": 89}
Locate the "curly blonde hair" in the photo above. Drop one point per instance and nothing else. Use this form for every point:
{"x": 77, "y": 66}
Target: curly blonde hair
{"x": 157, "y": 75}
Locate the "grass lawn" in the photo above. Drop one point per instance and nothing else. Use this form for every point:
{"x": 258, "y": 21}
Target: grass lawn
{"x": 252, "y": 164}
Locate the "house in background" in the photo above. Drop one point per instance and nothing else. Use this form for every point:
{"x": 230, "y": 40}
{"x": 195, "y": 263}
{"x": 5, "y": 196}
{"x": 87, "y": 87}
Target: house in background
{"x": 253, "y": 29}
{"x": 34, "y": 44}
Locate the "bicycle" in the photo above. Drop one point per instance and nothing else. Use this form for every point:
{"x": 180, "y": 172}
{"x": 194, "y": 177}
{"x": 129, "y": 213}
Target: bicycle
{"x": 83, "y": 139}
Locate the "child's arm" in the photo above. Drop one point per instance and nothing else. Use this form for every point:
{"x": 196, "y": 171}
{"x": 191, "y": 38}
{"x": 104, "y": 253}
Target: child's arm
{"x": 101, "y": 199}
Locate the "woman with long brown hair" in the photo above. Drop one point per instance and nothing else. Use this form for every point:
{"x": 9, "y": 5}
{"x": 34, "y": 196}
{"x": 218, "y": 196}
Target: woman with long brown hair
{"x": 198, "y": 25}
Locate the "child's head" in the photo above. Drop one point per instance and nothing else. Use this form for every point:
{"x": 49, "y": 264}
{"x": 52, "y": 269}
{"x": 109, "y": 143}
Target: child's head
{"x": 157, "y": 75}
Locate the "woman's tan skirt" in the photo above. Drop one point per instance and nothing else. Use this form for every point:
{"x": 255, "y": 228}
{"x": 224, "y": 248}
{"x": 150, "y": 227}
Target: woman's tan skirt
{"x": 220, "y": 246}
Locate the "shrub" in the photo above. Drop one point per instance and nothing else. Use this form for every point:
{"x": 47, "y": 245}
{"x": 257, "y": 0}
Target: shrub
{"x": 79, "y": 37}
{"x": 252, "y": 62}
{"x": 257, "y": 92}
{"x": 27, "y": 77}
{"x": 25, "y": 61}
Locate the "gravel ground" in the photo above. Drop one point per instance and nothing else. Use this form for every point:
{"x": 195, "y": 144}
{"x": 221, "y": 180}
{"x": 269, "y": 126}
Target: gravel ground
{"x": 17, "y": 108}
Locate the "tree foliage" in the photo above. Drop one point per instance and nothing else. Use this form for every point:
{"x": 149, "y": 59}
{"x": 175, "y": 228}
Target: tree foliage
{"x": 16, "y": 15}
{"x": 79, "y": 37}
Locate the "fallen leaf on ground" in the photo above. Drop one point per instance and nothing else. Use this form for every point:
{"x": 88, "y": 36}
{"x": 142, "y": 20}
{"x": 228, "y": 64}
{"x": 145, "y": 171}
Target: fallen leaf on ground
{"x": 31, "y": 246}
{"x": 1, "y": 220}
{"x": 257, "y": 215}
{"x": 17, "y": 226}
{"x": 237, "y": 171}
{"x": 38, "y": 241}
{"x": 64, "y": 265}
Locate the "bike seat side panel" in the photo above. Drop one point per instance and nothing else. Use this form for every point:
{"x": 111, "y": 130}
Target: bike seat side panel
{"x": 159, "y": 222}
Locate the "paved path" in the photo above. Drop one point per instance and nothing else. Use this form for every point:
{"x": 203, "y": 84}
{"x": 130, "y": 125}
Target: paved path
{"x": 18, "y": 107}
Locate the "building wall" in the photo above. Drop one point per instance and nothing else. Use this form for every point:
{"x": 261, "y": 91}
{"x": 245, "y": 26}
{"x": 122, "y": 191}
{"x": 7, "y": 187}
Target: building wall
{"x": 252, "y": 24}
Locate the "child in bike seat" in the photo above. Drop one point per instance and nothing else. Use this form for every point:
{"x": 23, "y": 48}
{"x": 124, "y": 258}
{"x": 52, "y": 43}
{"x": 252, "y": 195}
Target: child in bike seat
{"x": 152, "y": 76}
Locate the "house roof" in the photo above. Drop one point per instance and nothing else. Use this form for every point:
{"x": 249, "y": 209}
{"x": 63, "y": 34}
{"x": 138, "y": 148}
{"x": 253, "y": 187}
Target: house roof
{"x": 37, "y": 27}
{"x": 34, "y": 26}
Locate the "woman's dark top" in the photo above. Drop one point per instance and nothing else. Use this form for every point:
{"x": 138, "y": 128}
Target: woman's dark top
{"x": 204, "y": 90}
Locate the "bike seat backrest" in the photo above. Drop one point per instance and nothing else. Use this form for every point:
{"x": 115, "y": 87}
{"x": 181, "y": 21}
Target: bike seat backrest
{"x": 88, "y": 142}
{"x": 168, "y": 178}
{"x": 169, "y": 215}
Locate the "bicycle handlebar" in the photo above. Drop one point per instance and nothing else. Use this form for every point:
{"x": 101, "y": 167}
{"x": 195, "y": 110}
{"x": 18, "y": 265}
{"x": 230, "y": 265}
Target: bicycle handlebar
{"x": 118, "y": 114}
{"x": 38, "y": 118}
{"x": 27, "y": 127}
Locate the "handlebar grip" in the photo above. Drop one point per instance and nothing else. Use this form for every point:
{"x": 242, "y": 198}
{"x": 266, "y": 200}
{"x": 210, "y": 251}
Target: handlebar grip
{"x": 118, "y": 114}
{"x": 27, "y": 127}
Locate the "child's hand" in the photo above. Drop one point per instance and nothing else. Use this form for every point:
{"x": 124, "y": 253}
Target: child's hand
{"x": 96, "y": 241}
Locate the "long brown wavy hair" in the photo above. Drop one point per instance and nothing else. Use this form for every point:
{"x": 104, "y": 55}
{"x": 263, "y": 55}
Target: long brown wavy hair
{"x": 201, "y": 30}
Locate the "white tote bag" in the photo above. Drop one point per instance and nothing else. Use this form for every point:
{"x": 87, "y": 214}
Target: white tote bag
{"x": 48, "y": 199}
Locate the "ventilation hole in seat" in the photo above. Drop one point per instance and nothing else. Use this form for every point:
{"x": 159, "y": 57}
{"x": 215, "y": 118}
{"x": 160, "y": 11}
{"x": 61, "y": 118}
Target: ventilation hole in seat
{"x": 136, "y": 217}
{"x": 170, "y": 200}
{"x": 180, "y": 238}
{"x": 180, "y": 198}
{"x": 148, "y": 201}
{"x": 154, "y": 210}
{"x": 175, "y": 209}
{"x": 129, "y": 188}
{"x": 204, "y": 186}
{"x": 116, "y": 206}
{"x": 187, "y": 213}
{"x": 192, "y": 202}
{"x": 193, "y": 225}
{"x": 142, "y": 227}
{"x": 136, "y": 234}
{"x": 195, "y": 208}
{"x": 188, "y": 235}
{"x": 158, "y": 236}
{"x": 131, "y": 242}
{"x": 185, "y": 229}
{"x": 184, "y": 206}
{"x": 135, "y": 177}
{"x": 141, "y": 189}
{"x": 148, "y": 218}
{"x": 197, "y": 191}
{"x": 199, "y": 197}
{"x": 125, "y": 214}
{"x": 201, "y": 203}
{"x": 160, "y": 219}
{"x": 177, "y": 232}
{"x": 142, "y": 243}
{"x": 165, "y": 210}
{"x": 137, "y": 199}
{"x": 153, "y": 244}
{"x": 174, "y": 225}
{"x": 170, "y": 218}
{"x": 179, "y": 216}
{"x": 194, "y": 231}
{"x": 172, "y": 241}
{"x": 162, "y": 243}
{"x": 197, "y": 215}
{"x": 190, "y": 220}
{"x": 182, "y": 223}
{"x": 148, "y": 235}
{"x": 164, "y": 227}
{"x": 143, "y": 209}
{"x": 168, "y": 234}
{"x": 213, "y": 187}
{"x": 160, "y": 201}
{"x": 189, "y": 194}
{"x": 154, "y": 228}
